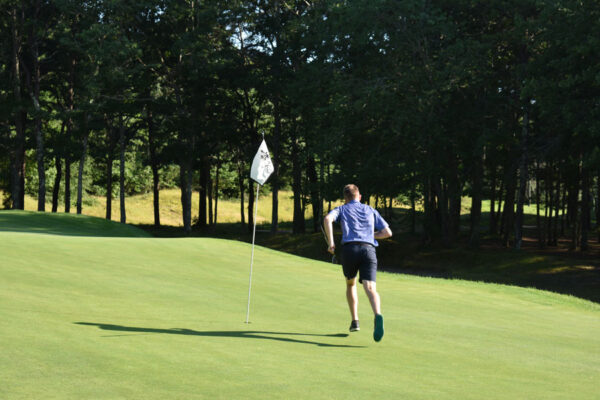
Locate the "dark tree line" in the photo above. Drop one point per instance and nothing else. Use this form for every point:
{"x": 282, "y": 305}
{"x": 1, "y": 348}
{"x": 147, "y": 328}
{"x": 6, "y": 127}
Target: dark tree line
{"x": 427, "y": 101}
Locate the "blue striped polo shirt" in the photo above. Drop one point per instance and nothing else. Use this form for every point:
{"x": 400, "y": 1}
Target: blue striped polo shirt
{"x": 359, "y": 222}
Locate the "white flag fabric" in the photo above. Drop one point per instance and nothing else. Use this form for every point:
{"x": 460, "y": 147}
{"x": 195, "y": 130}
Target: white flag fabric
{"x": 262, "y": 167}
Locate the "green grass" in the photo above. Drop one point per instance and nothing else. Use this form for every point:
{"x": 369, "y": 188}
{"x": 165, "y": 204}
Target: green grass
{"x": 61, "y": 224}
{"x": 101, "y": 316}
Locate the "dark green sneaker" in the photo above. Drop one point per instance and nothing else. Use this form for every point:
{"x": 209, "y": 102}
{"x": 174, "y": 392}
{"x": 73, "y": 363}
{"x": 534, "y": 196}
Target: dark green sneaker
{"x": 378, "y": 331}
{"x": 354, "y": 326}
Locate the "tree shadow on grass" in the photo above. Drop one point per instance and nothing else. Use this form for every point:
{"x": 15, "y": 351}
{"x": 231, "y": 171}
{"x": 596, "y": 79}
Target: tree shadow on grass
{"x": 233, "y": 334}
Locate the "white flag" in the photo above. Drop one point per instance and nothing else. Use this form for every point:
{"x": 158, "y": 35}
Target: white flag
{"x": 262, "y": 167}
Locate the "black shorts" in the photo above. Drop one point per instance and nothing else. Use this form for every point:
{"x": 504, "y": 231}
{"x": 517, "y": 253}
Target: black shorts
{"x": 357, "y": 256}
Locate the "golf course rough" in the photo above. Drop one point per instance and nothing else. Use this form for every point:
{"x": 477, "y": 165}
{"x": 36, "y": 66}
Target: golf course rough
{"x": 91, "y": 309}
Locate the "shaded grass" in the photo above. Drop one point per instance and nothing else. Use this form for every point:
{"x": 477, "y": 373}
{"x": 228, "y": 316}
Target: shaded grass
{"x": 554, "y": 269}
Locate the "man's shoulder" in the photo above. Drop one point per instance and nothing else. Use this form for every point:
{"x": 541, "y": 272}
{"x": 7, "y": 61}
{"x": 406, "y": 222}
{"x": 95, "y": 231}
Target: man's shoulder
{"x": 338, "y": 208}
{"x": 366, "y": 207}
{"x": 354, "y": 205}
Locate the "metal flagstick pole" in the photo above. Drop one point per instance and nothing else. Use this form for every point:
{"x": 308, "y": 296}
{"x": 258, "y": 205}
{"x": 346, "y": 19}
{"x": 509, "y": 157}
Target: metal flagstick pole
{"x": 252, "y": 258}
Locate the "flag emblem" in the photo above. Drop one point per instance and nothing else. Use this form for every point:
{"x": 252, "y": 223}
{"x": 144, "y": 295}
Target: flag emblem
{"x": 262, "y": 167}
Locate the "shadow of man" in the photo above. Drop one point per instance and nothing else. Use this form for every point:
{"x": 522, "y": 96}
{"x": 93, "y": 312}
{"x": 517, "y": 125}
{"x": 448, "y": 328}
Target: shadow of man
{"x": 278, "y": 336}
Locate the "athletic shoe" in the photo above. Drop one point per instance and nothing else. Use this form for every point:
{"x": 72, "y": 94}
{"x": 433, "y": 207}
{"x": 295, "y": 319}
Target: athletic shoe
{"x": 378, "y": 331}
{"x": 354, "y": 326}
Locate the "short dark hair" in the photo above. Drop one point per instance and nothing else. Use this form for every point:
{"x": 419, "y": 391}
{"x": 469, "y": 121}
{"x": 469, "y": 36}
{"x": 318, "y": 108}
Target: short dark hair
{"x": 350, "y": 192}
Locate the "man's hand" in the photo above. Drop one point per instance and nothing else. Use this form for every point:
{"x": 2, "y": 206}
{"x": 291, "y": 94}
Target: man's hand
{"x": 328, "y": 223}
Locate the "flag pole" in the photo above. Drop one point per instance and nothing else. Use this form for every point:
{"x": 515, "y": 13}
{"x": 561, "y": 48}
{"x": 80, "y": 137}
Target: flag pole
{"x": 252, "y": 257}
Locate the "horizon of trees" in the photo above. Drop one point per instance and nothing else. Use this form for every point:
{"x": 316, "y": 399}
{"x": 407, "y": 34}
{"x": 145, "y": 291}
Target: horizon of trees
{"x": 423, "y": 101}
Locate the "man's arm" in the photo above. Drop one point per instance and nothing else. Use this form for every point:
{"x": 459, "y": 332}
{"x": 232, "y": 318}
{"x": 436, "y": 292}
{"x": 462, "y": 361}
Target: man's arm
{"x": 384, "y": 233}
{"x": 328, "y": 222}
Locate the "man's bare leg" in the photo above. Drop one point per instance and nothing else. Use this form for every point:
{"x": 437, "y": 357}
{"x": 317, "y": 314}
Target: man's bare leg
{"x": 371, "y": 291}
{"x": 352, "y": 297}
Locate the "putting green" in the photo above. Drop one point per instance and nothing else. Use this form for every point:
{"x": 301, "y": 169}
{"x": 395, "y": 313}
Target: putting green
{"x": 102, "y": 316}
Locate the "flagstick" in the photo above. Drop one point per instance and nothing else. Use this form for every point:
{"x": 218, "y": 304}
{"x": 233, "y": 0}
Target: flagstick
{"x": 252, "y": 258}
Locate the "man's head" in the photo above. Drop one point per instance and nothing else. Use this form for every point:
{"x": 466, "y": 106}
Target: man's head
{"x": 351, "y": 193}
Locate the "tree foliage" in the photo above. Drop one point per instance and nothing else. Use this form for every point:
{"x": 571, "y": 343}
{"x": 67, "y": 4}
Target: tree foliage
{"x": 425, "y": 101}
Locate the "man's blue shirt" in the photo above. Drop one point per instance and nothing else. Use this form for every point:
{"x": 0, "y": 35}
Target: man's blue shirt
{"x": 359, "y": 222}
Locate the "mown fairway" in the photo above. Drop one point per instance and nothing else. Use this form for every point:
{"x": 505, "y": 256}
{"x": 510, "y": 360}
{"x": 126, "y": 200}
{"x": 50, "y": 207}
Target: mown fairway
{"x": 101, "y": 316}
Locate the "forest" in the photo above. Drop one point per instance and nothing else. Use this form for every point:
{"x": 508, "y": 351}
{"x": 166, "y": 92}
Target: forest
{"x": 418, "y": 102}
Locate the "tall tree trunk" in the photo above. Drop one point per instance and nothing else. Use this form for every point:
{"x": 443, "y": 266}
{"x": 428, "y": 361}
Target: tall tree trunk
{"x": 18, "y": 156}
{"x": 33, "y": 75}
{"x": 109, "y": 166}
{"x": 298, "y": 219}
{"x": 315, "y": 197}
{"x": 209, "y": 195}
{"x": 217, "y": 189}
{"x": 40, "y": 167}
{"x": 276, "y": 161}
{"x": 81, "y": 167}
{"x": 477, "y": 193}
{"x": 509, "y": 204}
{"x": 523, "y": 179}
{"x": 561, "y": 205}
{"x": 494, "y": 175}
{"x": 550, "y": 204}
{"x": 241, "y": 185}
{"x": 82, "y": 164}
{"x": 413, "y": 209}
{"x": 122, "y": 144}
{"x": 573, "y": 212}
{"x": 204, "y": 168}
{"x": 321, "y": 188}
{"x": 498, "y": 213}
{"x": 598, "y": 205}
{"x": 557, "y": 208}
{"x": 538, "y": 221}
{"x": 39, "y": 136}
{"x": 553, "y": 189}
{"x": 56, "y": 187}
{"x": 429, "y": 209}
{"x": 442, "y": 208}
{"x": 71, "y": 107}
{"x": 185, "y": 183}
{"x": 68, "y": 180}
{"x": 154, "y": 166}
{"x": 329, "y": 182}
{"x": 186, "y": 174}
{"x": 454, "y": 191}
{"x": 156, "y": 194}
{"x": 572, "y": 199}
{"x": 585, "y": 207}
{"x": 110, "y": 140}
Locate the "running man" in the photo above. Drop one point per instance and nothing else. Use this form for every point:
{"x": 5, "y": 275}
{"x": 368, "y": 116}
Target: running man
{"x": 361, "y": 226}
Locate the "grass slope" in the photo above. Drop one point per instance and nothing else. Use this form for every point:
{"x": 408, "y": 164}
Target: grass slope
{"x": 65, "y": 224}
{"x": 124, "y": 317}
